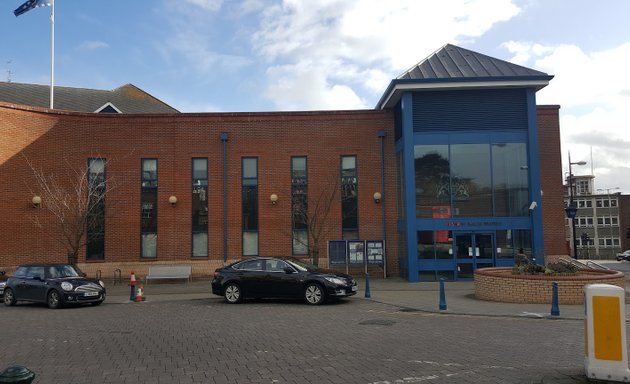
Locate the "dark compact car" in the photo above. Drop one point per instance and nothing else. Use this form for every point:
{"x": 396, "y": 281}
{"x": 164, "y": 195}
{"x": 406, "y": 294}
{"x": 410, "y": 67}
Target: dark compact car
{"x": 280, "y": 277}
{"x": 55, "y": 284}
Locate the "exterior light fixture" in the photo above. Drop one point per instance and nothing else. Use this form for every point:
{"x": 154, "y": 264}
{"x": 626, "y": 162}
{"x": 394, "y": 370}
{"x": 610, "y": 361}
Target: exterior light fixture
{"x": 377, "y": 197}
{"x": 273, "y": 198}
{"x": 172, "y": 200}
{"x": 37, "y": 201}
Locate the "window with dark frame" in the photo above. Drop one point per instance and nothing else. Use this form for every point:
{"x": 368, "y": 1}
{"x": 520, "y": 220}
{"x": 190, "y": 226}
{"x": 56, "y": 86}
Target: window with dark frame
{"x": 148, "y": 204}
{"x": 299, "y": 204}
{"x": 249, "y": 167}
{"x": 95, "y": 231}
{"x": 349, "y": 198}
{"x": 199, "y": 207}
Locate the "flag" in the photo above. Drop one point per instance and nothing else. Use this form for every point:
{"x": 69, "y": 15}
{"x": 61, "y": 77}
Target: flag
{"x": 30, "y": 4}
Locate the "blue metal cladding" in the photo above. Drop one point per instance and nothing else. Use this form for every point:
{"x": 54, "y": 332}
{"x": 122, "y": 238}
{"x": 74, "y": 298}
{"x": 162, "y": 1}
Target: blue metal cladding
{"x": 463, "y": 110}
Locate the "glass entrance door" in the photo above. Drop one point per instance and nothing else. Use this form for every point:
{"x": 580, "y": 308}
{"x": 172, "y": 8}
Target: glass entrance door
{"x": 472, "y": 251}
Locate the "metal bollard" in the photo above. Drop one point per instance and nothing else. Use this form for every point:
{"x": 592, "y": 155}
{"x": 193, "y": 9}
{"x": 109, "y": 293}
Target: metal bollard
{"x": 442, "y": 296}
{"x": 367, "y": 285}
{"x": 17, "y": 374}
{"x": 555, "y": 309}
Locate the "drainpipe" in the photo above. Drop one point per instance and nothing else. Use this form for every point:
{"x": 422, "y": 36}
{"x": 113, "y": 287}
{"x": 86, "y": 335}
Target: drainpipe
{"x": 381, "y": 135}
{"x": 224, "y": 139}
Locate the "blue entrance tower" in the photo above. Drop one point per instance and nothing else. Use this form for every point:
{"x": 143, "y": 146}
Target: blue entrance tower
{"x": 468, "y": 164}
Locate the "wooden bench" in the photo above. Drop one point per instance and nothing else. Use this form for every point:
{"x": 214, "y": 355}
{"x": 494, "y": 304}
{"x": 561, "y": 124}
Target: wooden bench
{"x": 169, "y": 272}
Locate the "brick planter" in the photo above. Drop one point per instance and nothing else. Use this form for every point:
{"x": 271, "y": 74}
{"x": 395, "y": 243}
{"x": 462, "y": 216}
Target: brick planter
{"x": 499, "y": 284}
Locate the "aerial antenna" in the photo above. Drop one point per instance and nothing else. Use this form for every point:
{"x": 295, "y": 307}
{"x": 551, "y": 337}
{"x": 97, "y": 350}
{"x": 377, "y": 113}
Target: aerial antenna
{"x": 9, "y": 71}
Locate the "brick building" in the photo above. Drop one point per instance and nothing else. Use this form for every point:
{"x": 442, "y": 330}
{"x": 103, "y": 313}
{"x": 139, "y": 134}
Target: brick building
{"x": 446, "y": 175}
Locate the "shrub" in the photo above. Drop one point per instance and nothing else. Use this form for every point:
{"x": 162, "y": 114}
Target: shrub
{"x": 549, "y": 269}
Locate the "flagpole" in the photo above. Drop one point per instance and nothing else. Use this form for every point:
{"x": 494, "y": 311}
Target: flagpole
{"x": 52, "y": 56}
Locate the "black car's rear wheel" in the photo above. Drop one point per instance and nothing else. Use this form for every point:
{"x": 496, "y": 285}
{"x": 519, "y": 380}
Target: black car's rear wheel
{"x": 54, "y": 300}
{"x": 9, "y": 297}
{"x": 233, "y": 293}
{"x": 314, "y": 294}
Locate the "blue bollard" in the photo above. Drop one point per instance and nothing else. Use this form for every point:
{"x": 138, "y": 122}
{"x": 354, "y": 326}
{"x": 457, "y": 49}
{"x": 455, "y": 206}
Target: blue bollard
{"x": 555, "y": 309}
{"x": 442, "y": 296}
{"x": 367, "y": 285}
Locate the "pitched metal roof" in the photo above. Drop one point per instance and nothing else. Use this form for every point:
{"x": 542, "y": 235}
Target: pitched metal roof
{"x": 455, "y": 67}
{"x": 126, "y": 99}
{"x": 451, "y": 62}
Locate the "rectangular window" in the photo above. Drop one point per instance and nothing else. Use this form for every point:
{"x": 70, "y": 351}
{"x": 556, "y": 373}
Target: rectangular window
{"x": 250, "y": 205}
{"x": 148, "y": 207}
{"x": 349, "y": 198}
{"x": 299, "y": 204}
{"x": 95, "y": 231}
{"x": 200, "y": 207}
{"x": 471, "y": 180}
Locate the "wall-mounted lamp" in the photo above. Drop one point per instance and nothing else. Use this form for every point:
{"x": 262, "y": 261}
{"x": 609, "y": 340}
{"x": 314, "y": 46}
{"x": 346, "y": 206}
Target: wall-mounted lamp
{"x": 377, "y": 197}
{"x": 273, "y": 198}
{"x": 37, "y": 201}
{"x": 172, "y": 200}
{"x": 533, "y": 205}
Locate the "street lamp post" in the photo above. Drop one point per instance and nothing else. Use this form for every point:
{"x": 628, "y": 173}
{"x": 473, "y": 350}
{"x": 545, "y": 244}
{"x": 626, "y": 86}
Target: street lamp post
{"x": 612, "y": 240}
{"x": 572, "y": 209}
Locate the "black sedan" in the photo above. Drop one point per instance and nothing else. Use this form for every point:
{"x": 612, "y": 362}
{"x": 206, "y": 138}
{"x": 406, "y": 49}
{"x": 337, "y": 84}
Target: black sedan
{"x": 280, "y": 277}
{"x": 55, "y": 284}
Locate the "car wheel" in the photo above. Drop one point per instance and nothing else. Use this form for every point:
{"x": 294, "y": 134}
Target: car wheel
{"x": 54, "y": 300}
{"x": 9, "y": 297}
{"x": 314, "y": 294}
{"x": 233, "y": 293}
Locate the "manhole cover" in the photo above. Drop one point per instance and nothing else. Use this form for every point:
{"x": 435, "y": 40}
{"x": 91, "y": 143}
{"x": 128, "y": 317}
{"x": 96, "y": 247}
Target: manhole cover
{"x": 377, "y": 322}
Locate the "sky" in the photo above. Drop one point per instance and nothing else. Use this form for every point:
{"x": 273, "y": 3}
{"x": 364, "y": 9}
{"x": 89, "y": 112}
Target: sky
{"x": 278, "y": 55}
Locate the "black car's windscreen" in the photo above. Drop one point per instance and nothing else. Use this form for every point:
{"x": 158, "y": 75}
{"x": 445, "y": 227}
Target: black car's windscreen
{"x": 58, "y": 271}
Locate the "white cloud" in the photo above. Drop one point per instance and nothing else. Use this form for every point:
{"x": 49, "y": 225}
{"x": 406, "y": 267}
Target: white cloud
{"x": 360, "y": 45}
{"x": 208, "y": 5}
{"x": 92, "y": 45}
{"x": 593, "y": 91}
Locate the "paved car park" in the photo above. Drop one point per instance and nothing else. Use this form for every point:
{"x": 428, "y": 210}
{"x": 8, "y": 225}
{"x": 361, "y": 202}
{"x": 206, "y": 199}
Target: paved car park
{"x": 204, "y": 340}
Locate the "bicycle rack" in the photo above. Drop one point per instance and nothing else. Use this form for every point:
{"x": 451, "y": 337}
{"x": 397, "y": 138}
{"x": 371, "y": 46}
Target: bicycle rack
{"x": 117, "y": 276}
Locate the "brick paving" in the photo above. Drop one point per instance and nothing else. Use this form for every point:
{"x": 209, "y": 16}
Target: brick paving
{"x": 352, "y": 341}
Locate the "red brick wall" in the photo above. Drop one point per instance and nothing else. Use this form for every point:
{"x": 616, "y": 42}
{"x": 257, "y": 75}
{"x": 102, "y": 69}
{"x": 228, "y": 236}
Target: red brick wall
{"x": 551, "y": 181}
{"x": 499, "y": 284}
{"x": 49, "y": 140}
{"x": 52, "y": 140}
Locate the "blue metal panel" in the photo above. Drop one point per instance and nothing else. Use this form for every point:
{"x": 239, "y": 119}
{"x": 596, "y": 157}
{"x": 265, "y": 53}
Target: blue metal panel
{"x": 464, "y": 110}
{"x": 406, "y": 109}
{"x": 534, "y": 180}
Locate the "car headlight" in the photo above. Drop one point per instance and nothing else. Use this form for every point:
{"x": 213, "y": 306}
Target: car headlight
{"x": 335, "y": 280}
{"x": 101, "y": 283}
{"x": 66, "y": 286}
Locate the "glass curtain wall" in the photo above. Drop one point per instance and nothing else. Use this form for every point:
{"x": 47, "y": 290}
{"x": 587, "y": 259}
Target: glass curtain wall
{"x": 471, "y": 180}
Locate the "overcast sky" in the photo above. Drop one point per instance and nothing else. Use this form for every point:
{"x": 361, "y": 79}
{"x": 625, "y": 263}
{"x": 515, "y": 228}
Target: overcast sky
{"x": 267, "y": 55}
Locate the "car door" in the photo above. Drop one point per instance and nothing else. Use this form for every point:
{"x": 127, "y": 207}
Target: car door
{"x": 280, "y": 283}
{"x": 33, "y": 286}
{"x": 251, "y": 277}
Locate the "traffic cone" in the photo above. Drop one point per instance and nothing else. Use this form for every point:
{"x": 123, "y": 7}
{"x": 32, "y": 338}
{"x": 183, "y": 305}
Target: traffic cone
{"x": 140, "y": 295}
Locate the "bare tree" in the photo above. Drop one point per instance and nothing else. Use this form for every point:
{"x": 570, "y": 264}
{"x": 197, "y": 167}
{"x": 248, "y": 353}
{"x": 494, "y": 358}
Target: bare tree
{"x": 314, "y": 217}
{"x": 76, "y": 199}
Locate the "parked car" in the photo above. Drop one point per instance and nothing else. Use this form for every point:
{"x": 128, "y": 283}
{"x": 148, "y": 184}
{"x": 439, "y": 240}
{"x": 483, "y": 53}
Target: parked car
{"x": 55, "y": 284}
{"x": 625, "y": 255}
{"x": 280, "y": 277}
